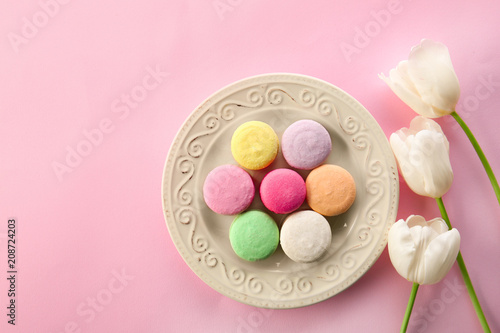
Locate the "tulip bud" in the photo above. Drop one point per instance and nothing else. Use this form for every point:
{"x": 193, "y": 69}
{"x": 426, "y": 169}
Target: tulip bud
{"x": 426, "y": 82}
{"x": 423, "y": 156}
{"x": 423, "y": 251}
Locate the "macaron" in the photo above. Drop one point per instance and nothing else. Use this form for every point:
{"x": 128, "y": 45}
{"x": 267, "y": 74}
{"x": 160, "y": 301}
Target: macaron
{"x": 228, "y": 189}
{"x": 306, "y": 144}
{"x": 305, "y": 236}
{"x": 254, "y": 235}
{"x": 254, "y": 145}
{"x": 282, "y": 191}
{"x": 331, "y": 190}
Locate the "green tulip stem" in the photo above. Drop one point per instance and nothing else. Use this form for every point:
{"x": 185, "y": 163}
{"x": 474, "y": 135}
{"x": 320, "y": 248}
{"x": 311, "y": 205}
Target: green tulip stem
{"x": 465, "y": 274}
{"x": 411, "y": 301}
{"x": 480, "y": 153}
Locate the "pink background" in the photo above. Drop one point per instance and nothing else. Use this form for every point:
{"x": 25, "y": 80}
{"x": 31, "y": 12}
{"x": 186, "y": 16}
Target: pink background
{"x": 97, "y": 232}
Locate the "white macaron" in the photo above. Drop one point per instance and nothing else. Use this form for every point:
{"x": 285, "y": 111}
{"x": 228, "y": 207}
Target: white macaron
{"x": 305, "y": 236}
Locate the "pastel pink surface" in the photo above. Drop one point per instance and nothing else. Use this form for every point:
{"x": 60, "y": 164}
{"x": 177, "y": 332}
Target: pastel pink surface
{"x": 306, "y": 144}
{"x": 282, "y": 191}
{"x": 134, "y": 71}
{"x": 228, "y": 189}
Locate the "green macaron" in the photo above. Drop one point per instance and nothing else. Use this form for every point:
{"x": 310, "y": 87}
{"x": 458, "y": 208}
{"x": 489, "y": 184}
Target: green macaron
{"x": 254, "y": 235}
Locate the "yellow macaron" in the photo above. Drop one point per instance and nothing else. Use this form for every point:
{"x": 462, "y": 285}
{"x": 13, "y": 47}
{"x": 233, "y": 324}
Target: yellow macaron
{"x": 254, "y": 145}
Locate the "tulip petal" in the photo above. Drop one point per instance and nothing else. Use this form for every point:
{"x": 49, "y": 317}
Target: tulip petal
{"x": 432, "y": 73}
{"x": 421, "y": 123}
{"x": 433, "y": 162}
{"x": 440, "y": 256}
{"x": 400, "y": 75}
{"x": 401, "y": 248}
{"x": 439, "y": 225}
{"x": 422, "y": 236}
{"x": 411, "y": 174}
{"x": 400, "y": 83}
{"x": 414, "y": 220}
{"x": 422, "y": 153}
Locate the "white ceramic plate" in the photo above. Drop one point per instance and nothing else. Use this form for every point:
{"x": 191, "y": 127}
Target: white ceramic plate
{"x": 203, "y": 143}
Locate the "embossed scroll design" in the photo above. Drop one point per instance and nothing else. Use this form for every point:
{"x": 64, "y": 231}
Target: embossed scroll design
{"x": 375, "y": 189}
{"x": 194, "y": 147}
{"x": 211, "y": 121}
{"x": 253, "y": 99}
{"x": 186, "y": 214}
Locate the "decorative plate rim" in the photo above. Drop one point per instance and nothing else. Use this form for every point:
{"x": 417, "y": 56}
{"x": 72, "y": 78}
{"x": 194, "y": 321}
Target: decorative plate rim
{"x": 211, "y": 260}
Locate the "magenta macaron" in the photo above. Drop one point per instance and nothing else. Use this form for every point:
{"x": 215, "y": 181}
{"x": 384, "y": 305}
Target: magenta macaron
{"x": 306, "y": 144}
{"x": 228, "y": 190}
{"x": 282, "y": 191}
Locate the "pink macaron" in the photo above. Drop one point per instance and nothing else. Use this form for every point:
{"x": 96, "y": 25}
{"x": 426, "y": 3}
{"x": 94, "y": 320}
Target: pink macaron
{"x": 282, "y": 191}
{"x": 306, "y": 144}
{"x": 228, "y": 190}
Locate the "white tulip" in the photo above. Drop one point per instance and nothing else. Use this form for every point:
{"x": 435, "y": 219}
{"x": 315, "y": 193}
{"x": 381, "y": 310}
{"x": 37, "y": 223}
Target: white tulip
{"x": 426, "y": 82}
{"x": 423, "y": 156}
{"x": 423, "y": 251}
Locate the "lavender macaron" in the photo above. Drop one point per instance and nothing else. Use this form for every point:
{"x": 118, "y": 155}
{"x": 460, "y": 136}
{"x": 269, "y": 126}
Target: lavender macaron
{"x": 306, "y": 144}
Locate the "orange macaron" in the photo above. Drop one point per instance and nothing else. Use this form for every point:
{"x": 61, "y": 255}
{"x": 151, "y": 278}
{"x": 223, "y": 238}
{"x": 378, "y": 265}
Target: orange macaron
{"x": 331, "y": 190}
